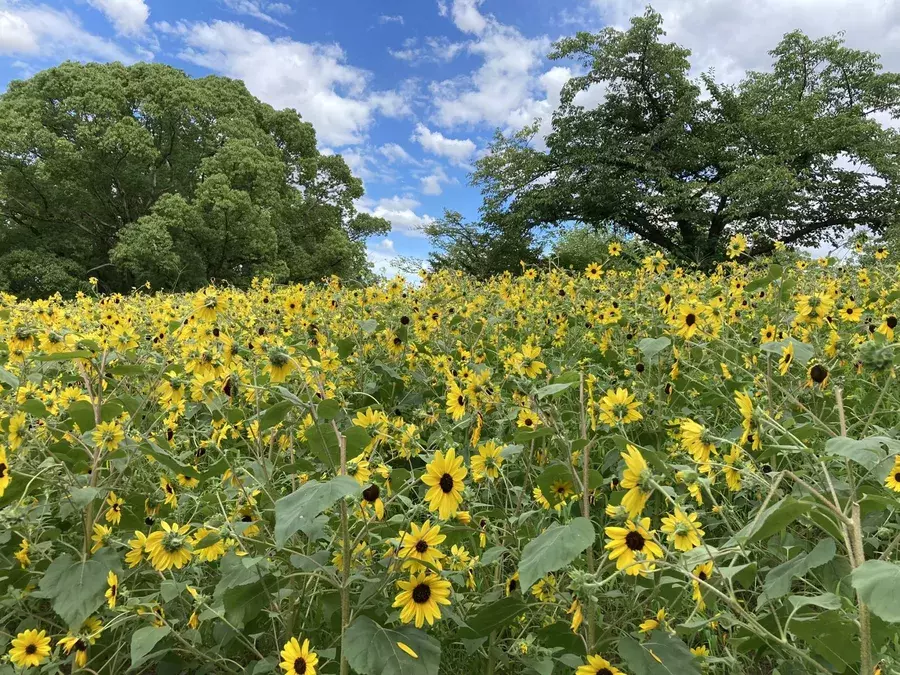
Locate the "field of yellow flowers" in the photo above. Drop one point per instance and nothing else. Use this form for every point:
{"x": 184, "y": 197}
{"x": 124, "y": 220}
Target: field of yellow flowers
{"x": 652, "y": 472}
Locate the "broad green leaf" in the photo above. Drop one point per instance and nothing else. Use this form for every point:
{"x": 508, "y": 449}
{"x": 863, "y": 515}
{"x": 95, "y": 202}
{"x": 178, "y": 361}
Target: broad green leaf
{"x": 297, "y": 511}
{"x": 76, "y": 588}
{"x": 368, "y": 326}
{"x": 9, "y": 379}
{"x": 878, "y": 584}
{"x": 660, "y": 654}
{"x": 556, "y": 474}
{"x": 552, "y": 389}
{"x": 324, "y": 444}
{"x": 557, "y": 547}
{"x": 357, "y": 440}
{"x": 82, "y": 413}
{"x": 832, "y": 635}
{"x": 494, "y": 616}
{"x": 328, "y": 409}
{"x": 802, "y": 352}
{"x": 778, "y": 580}
{"x": 492, "y": 555}
{"x": 825, "y": 601}
{"x": 83, "y": 496}
{"x": 372, "y": 649}
{"x": 866, "y": 452}
{"x": 274, "y": 414}
{"x": 771, "y": 521}
{"x": 143, "y": 640}
{"x": 650, "y": 347}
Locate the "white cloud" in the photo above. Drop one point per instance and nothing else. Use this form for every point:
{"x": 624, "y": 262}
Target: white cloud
{"x": 394, "y": 152}
{"x": 433, "y": 183}
{"x": 258, "y": 10}
{"x": 128, "y": 16}
{"x": 399, "y": 212}
{"x": 435, "y": 50}
{"x": 457, "y": 150}
{"x": 315, "y": 79}
{"x": 385, "y": 18}
{"x": 505, "y": 87}
{"x": 735, "y": 36}
{"x": 40, "y": 30}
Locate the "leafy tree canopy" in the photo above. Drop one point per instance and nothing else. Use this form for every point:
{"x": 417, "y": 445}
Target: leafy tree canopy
{"x": 141, "y": 173}
{"x": 794, "y": 155}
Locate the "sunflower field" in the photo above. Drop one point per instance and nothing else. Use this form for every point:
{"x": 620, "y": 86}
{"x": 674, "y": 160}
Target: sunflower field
{"x": 647, "y": 471}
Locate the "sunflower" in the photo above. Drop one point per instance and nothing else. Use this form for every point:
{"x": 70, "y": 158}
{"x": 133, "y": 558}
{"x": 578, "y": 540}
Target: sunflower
{"x": 527, "y": 419}
{"x": 420, "y": 597}
{"x": 456, "y": 403}
{"x": 689, "y": 319}
{"x": 787, "y": 358}
{"x": 169, "y": 490}
{"x": 702, "y": 573}
{"x": 372, "y": 499}
{"x": 138, "y": 548}
{"x": 169, "y": 547}
{"x": 695, "y": 439}
{"x": 633, "y": 547}
{"x": 881, "y": 253}
{"x": 850, "y": 312}
{"x": 486, "y": 464}
{"x": 731, "y": 470}
{"x": 892, "y": 481}
{"x": 545, "y": 589}
{"x": 614, "y": 249}
{"x": 444, "y": 476}
{"x": 358, "y": 468}
{"x": 30, "y": 648}
{"x": 526, "y": 361}
{"x": 593, "y": 271}
{"x": 421, "y": 544}
{"x": 577, "y": 613}
{"x": 619, "y": 407}
{"x": 100, "y": 537}
{"x": 654, "y": 623}
{"x": 512, "y": 584}
{"x": 22, "y": 554}
{"x": 279, "y": 364}
{"x": 114, "y": 512}
{"x": 597, "y": 665}
{"x": 5, "y": 475}
{"x": 208, "y": 546}
{"x": 683, "y": 529}
{"x": 77, "y": 644}
{"x": 298, "y": 659}
{"x": 108, "y": 435}
{"x": 635, "y": 479}
{"x": 18, "y": 425}
{"x": 736, "y": 245}
{"x": 112, "y": 593}
{"x": 887, "y": 327}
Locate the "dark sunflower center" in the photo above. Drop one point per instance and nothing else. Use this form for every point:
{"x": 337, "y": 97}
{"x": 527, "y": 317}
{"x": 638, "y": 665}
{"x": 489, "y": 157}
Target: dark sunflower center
{"x": 31, "y": 649}
{"x": 299, "y": 666}
{"x": 3, "y": 468}
{"x": 818, "y": 374}
{"x": 702, "y": 576}
{"x": 513, "y": 585}
{"x": 891, "y": 322}
{"x": 421, "y": 546}
{"x": 114, "y": 590}
{"x": 690, "y": 319}
{"x": 370, "y": 494}
{"x": 446, "y": 483}
{"x": 529, "y": 422}
{"x": 897, "y": 476}
{"x": 80, "y": 646}
{"x": 604, "y": 671}
{"x": 635, "y": 541}
{"x": 115, "y": 507}
{"x": 460, "y": 400}
{"x": 421, "y": 593}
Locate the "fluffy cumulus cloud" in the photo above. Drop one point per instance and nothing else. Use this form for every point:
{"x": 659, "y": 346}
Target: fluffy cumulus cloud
{"x": 400, "y": 212}
{"x": 128, "y": 16}
{"x": 38, "y": 30}
{"x": 734, "y": 36}
{"x": 457, "y": 150}
{"x": 315, "y": 79}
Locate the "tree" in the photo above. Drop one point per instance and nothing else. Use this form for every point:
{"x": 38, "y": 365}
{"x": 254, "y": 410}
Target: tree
{"x": 479, "y": 249}
{"x": 792, "y": 155}
{"x": 141, "y": 173}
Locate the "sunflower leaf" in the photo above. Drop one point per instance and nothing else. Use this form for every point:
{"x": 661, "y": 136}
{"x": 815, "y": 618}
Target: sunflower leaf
{"x": 558, "y": 546}
{"x": 372, "y": 649}
{"x": 297, "y": 511}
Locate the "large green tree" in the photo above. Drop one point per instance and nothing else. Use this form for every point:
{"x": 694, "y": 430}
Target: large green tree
{"x": 795, "y": 154}
{"x": 141, "y": 173}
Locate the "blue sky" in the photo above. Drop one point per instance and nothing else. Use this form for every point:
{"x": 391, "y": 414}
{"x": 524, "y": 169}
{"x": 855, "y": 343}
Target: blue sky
{"x": 409, "y": 91}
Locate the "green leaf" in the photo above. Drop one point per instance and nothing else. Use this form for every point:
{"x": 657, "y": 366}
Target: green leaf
{"x": 802, "y": 352}
{"x": 554, "y": 473}
{"x": 64, "y": 356}
{"x": 143, "y": 640}
{"x": 368, "y": 326}
{"x": 778, "y": 580}
{"x": 9, "y": 379}
{"x": 83, "y": 496}
{"x": 878, "y": 584}
{"x": 297, "y": 511}
{"x": 670, "y": 656}
{"x": 274, "y": 414}
{"x": 328, "y": 409}
{"x": 825, "y": 601}
{"x": 324, "y": 444}
{"x": 771, "y": 521}
{"x": 372, "y": 649}
{"x": 552, "y": 389}
{"x": 650, "y": 347}
{"x": 82, "y": 413}
{"x": 494, "y": 616}
{"x": 866, "y": 452}
{"x": 76, "y": 588}
{"x": 557, "y": 547}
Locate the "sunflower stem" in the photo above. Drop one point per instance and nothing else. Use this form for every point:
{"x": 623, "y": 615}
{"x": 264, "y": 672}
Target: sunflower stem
{"x": 586, "y": 512}
{"x": 345, "y": 567}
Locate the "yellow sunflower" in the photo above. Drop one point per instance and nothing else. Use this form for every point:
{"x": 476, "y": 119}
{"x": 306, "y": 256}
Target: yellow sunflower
{"x": 684, "y": 529}
{"x": 633, "y": 547}
{"x": 420, "y": 598}
{"x": 138, "y": 547}
{"x": 892, "y": 482}
{"x": 298, "y": 659}
{"x": 619, "y": 406}
{"x": 421, "y": 545}
{"x": 169, "y": 547}
{"x": 695, "y": 439}
{"x": 114, "y": 512}
{"x": 5, "y": 475}
{"x": 30, "y": 648}
{"x": 597, "y": 665}
{"x": 112, "y": 592}
{"x": 703, "y": 573}
{"x": 635, "y": 479}
{"x": 444, "y": 477}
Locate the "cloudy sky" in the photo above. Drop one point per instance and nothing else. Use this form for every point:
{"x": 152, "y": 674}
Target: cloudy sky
{"x": 410, "y": 91}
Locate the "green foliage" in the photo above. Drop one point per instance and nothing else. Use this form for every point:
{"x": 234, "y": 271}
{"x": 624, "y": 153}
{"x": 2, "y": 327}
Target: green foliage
{"x": 558, "y": 546}
{"x": 298, "y": 510}
{"x": 372, "y": 649}
{"x": 878, "y": 585}
{"x": 686, "y": 163}
{"x": 142, "y": 174}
